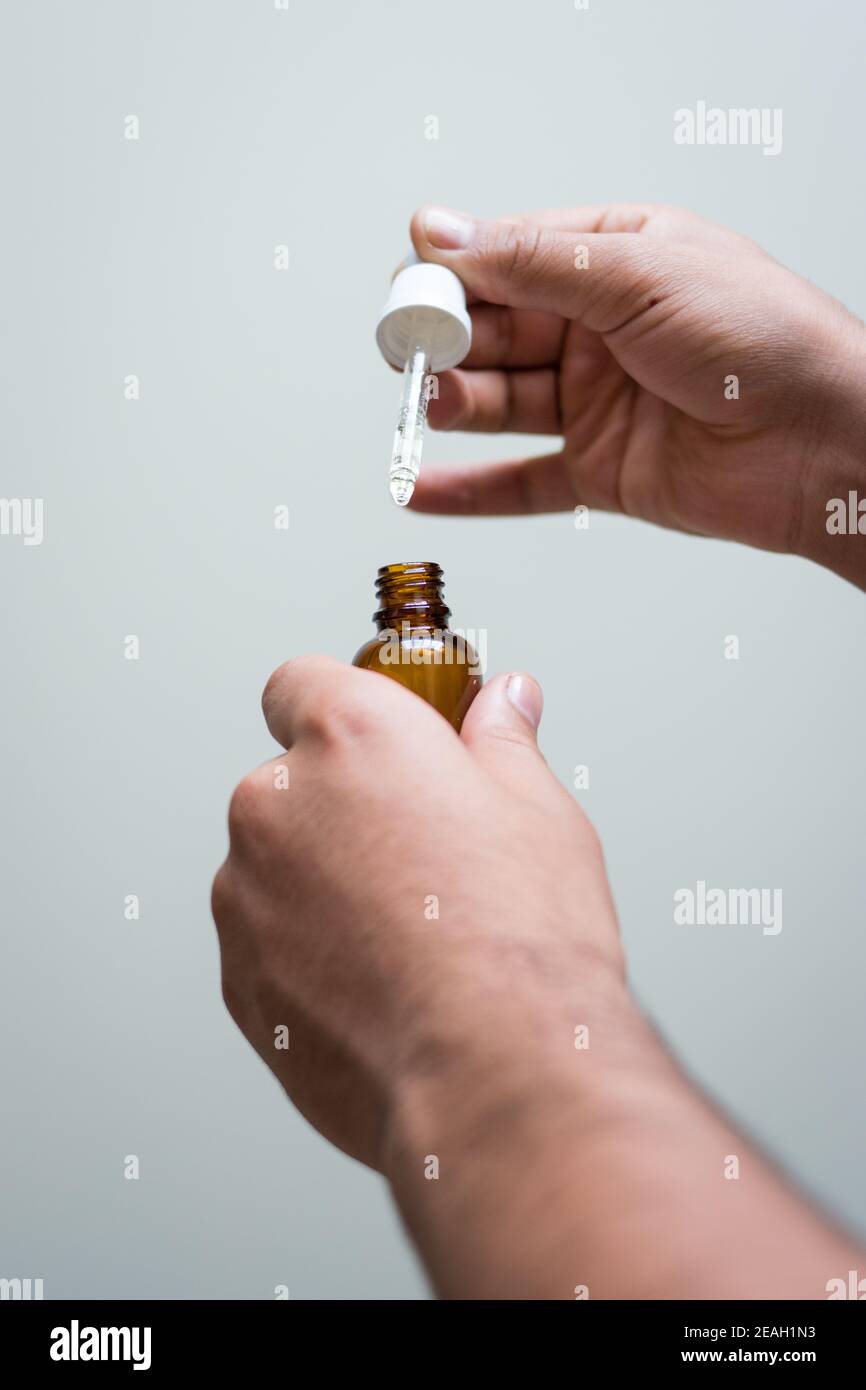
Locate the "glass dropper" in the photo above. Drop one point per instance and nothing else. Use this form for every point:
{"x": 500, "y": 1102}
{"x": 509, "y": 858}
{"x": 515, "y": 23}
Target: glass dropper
{"x": 424, "y": 328}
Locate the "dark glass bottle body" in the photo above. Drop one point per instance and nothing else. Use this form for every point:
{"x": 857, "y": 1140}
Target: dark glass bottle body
{"x": 414, "y": 645}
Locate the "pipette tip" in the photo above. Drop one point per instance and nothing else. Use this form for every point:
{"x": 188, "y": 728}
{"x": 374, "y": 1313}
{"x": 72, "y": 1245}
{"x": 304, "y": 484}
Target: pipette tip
{"x": 401, "y": 491}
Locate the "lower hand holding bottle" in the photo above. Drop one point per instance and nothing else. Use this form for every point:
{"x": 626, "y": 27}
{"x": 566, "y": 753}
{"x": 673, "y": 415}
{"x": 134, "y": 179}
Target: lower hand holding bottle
{"x": 418, "y": 937}
{"x": 395, "y": 895}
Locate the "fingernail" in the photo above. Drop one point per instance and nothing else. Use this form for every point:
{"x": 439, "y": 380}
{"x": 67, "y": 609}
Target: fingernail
{"x": 447, "y": 230}
{"x": 526, "y": 696}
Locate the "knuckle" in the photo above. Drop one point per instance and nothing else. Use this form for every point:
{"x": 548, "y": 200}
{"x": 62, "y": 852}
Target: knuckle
{"x": 590, "y": 840}
{"x": 295, "y": 667}
{"x": 518, "y": 250}
{"x": 231, "y": 997}
{"x": 272, "y": 686}
{"x": 245, "y": 807}
{"x": 637, "y": 278}
{"x": 341, "y": 719}
{"x": 220, "y": 895}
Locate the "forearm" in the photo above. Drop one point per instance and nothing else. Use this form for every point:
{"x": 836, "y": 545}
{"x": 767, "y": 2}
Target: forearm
{"x": 599, "y": 1169}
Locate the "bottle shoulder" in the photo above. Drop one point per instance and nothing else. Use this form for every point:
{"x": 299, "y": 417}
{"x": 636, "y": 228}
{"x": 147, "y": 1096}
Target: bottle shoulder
{"x": 385, "y": 648}
{"x": 366, "y": 655}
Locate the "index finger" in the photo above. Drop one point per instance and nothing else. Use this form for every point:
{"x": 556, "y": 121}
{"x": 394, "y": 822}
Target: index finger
{"x": 316, "y": 696}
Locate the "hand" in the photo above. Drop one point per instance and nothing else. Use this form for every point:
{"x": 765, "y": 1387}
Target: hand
{"x": 629, "y": 357}
{"x": 414, "y": 1036}
{"x": 325, "y": 904}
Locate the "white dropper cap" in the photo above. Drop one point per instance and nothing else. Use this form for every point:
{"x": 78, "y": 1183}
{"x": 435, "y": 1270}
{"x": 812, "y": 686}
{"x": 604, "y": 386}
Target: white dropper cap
{"x": 429, "y": 298}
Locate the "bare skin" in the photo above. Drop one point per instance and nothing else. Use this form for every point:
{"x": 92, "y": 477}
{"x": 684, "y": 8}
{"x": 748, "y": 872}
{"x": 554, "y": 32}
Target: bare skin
{"x": 627, "y": 361}
{"x": 452, "y": 1037}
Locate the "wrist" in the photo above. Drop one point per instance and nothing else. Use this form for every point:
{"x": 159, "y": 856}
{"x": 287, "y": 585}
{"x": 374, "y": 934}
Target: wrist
{"x": 503, "y": 1019}
{"x": 509, "y": 1025}
{"x": 491, "y": 1124}
{"x": 831, "y": 527}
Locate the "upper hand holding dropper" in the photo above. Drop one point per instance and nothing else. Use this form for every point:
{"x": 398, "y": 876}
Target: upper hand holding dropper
{"x": 696, "y": 382}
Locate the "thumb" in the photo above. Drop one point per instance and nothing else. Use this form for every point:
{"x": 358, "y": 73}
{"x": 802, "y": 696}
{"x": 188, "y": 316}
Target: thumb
{"x": 501, "y": 725}
{"x": 601, "y": 279}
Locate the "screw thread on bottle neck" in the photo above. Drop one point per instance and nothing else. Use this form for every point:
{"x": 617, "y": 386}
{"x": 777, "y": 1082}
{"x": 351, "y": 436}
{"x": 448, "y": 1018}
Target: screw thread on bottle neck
{"x": 410, "y": 593}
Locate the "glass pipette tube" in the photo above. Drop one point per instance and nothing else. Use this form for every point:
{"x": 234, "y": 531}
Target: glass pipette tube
{"x": 409, "y": 435}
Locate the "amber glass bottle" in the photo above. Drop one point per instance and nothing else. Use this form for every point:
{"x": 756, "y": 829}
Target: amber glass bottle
{"x": 413, "y": 644}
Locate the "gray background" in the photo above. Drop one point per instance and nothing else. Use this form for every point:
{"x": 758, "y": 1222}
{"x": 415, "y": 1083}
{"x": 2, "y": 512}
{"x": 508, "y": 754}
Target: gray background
{"x": 156, "y": 257}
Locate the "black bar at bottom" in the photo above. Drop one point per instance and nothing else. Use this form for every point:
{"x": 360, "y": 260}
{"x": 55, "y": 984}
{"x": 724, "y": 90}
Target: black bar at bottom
{"x": 156, "y": 1338}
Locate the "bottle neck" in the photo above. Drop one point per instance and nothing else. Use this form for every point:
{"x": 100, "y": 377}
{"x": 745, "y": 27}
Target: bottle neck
{"x": 410, "y": 594}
